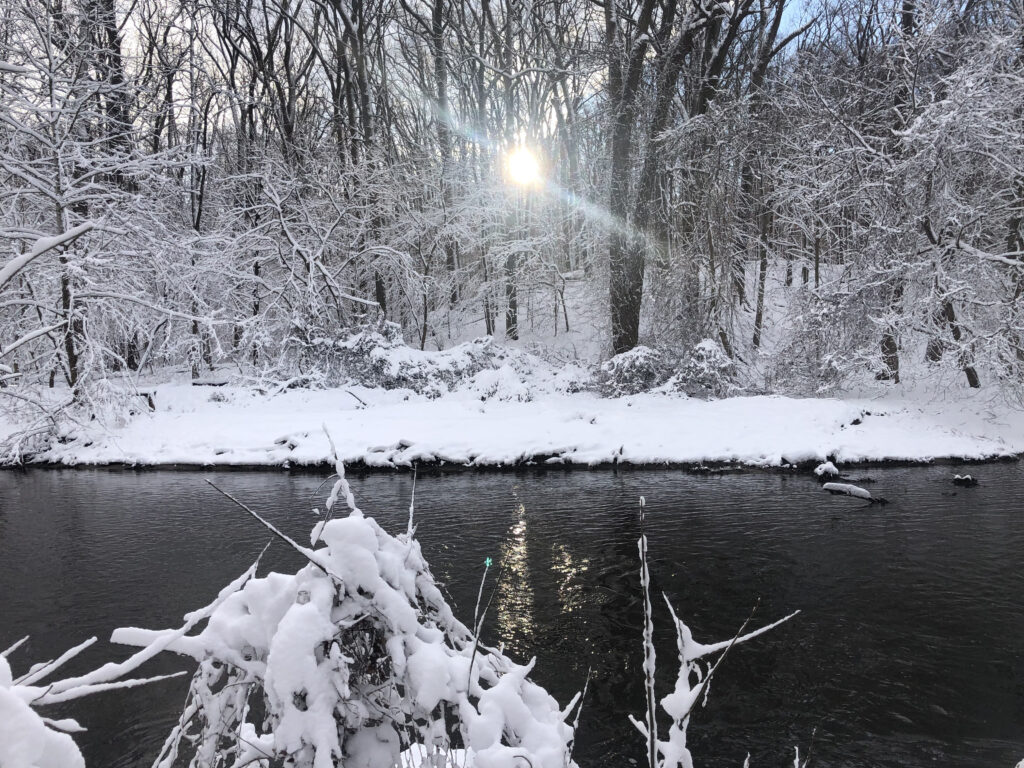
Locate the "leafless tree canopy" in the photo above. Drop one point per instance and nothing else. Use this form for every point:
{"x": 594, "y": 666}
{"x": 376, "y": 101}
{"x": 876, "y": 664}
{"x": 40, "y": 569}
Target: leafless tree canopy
{"x": 822, "y": 189}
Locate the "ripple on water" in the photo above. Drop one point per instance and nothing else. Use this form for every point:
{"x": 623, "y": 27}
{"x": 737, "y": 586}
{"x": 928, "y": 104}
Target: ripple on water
{"x": 907, "y": 652}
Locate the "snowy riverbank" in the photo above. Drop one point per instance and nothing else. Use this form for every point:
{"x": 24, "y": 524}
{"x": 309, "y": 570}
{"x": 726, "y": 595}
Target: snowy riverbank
{"x": 234, "y": 426}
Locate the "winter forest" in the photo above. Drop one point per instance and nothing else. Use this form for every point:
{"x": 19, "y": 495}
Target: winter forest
{"x": 719, "y": 253}
{"x": 827, "y": 192}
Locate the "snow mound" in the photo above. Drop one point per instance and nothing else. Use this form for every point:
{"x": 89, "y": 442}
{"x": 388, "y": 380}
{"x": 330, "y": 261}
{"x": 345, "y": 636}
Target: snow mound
{"x": 826, "y": 468}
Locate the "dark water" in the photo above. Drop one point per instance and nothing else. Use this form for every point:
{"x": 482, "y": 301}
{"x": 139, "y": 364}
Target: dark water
{"x": 909, "y": 650}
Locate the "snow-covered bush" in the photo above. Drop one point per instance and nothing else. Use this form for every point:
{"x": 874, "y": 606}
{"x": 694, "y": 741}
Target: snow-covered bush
{"x": 706, "y": 371}
{"x": 372, "y": 359}
{"x": 353, "y": 660}
{"x": 376, "y": 355}
{"x": 29, "y": 740}
{"x": 641, "y": 369}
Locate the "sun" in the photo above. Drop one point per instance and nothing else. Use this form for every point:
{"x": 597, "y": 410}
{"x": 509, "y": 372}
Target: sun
{"x": 522, "y": 167}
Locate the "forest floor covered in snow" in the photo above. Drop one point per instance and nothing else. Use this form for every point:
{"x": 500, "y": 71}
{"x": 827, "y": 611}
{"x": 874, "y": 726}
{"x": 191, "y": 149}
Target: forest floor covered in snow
{"x": 239, "y": 426}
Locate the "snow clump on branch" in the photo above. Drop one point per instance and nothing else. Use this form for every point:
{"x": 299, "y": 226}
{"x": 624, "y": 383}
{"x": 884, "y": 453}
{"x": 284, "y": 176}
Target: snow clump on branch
{"x": 29, "y": 740}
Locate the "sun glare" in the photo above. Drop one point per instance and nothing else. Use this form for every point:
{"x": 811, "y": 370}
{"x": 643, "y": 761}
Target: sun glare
{"x": 522, "y": 167}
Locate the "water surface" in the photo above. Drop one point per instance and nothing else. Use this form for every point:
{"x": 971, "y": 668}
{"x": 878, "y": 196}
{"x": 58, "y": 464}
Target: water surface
{"x": 908, "y": 650}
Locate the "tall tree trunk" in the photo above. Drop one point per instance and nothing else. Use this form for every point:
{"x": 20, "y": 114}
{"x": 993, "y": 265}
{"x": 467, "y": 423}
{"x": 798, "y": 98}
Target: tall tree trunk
{"x": 888, "y": 346}
{"x": 762, "y": 276}
{"x": 511, "y": 297}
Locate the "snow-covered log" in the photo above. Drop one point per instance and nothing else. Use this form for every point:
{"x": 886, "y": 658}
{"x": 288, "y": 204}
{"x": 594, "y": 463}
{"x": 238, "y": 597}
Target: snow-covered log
{"x": 845, "y": 489}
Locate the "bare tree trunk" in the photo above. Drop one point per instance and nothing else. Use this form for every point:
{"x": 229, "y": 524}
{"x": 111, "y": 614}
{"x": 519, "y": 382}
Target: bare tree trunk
{"x": 511, "y": 298}
{"x": 762, "y": 247}
{"x": 488, "y": 319}
{"x": 889, "y": 347}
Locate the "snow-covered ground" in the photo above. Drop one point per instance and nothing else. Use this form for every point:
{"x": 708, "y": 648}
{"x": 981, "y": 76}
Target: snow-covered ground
{"x": 225, "y": 425}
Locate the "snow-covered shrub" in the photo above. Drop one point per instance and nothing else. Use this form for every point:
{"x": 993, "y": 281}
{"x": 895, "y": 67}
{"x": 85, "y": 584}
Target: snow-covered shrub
{"x": 375, "y": 355}
{"x": 378, "y": 357}
{"x": 706, "y": 371}
{"x": 353, "y": 660}
{"x": 641, "y": 369}
{"x": 29, "y": 740}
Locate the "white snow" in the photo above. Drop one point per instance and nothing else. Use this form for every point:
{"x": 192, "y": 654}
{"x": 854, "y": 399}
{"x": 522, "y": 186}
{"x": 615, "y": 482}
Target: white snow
{"x": 236, "y": 426}
{"x": 25, "y": 739}
{"x": 826, "y": 468}
{"x": 847, "y": 489}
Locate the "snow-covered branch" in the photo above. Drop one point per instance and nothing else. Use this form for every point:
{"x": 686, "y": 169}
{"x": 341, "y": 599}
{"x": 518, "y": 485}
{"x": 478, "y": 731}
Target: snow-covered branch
{"x": 41, "y": 246}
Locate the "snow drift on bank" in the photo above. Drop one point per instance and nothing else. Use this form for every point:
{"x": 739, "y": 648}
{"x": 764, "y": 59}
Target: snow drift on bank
{"x": 235, "y": 426}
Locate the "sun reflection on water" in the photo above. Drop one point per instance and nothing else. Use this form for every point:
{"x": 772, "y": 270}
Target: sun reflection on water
{"x": 516, "y": 615}
{"x": 570, "y": 572}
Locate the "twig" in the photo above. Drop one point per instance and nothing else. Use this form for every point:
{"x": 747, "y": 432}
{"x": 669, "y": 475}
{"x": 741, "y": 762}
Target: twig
{"x": 649, "y": 657}
{"x": 14, "y": 647}
{"x": 478, "y": 622}
{"x": 410, "y": 529}
{"x": 738, "y": 638}
{"x": 270, "y": 527}
{"x": 39, "y": 671}
{"x": 362, "y": 402}
{"x": 579, "y": 711}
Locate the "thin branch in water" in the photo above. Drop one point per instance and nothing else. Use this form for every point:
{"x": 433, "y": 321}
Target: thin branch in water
{"x": 411, "y": 529}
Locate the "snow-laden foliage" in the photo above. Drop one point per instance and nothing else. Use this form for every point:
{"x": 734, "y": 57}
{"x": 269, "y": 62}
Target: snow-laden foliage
{"x": 812, "y": 356}
{"x": 706, "y": 371}
{"x": 641, "y": 369}
{"x": 28, "y": 739}
{"x": 703, "y": 371}
{"x": 376, "y": 355}
{"x": 353, "y": 660}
